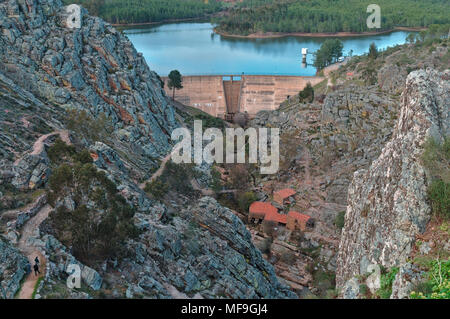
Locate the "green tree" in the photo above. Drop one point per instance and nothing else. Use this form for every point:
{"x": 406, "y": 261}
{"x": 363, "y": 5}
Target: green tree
{"x": 373, "y": 51}
{"x": 175, "y": 81}
{"x": 411, "y": 38}
{"x": 307, "y": 94}
{"x": 330, "y": 51}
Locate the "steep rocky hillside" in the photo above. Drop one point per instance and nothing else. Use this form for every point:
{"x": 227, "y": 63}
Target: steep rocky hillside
{"x": 84, "y": 123}
{"x": 94, "y": 68}
{"x": 388, "y": 203}
{"x": 344, "y": 130}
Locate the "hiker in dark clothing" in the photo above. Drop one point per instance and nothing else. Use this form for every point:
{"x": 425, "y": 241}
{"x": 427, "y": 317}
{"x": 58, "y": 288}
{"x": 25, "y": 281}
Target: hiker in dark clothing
{"x": 36, "y": 260}
{"x": 36, "y": 269}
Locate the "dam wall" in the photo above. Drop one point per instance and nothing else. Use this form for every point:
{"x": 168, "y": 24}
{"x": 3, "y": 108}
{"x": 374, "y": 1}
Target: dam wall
{"x": 225, "y": 95}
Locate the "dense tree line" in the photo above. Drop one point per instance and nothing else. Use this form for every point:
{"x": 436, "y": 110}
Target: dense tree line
{"x": 330, "y": 15}
{"x": 142, "y": 11}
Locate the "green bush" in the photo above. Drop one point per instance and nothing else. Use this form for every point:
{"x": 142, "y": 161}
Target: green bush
{"x": 386, "y": 280}
{"x": 156, "y": 188}
{"x": 216, "y": 182}
{"x": 340, "y": 220}
{"x": 437, "y": 285}
{"x": 439, "y": 194}
{"x": 436, "y": 159}
{"x": 100, "y": 220}
{"x": 60, "y": 151}
{"x": 88, "y": 127}
{"x": 178, "y": 178}
{"x": 245, "y": 200}
{"x": 307, "y": 94}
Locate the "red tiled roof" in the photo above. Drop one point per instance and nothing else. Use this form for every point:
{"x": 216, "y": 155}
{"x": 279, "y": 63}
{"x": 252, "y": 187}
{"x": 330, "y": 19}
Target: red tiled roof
{"x": 285, "y": 193}
{"x": 298, "y": 216}
{"x": 275, "y": 217}
{"x": 262, "y": 208}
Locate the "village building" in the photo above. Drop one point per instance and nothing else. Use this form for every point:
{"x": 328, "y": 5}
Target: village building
{"x": 262, "y": 211}
{"x": 284, "y": 196}
{"x": 259, "y": 210}
{"x": 298, "y": 221}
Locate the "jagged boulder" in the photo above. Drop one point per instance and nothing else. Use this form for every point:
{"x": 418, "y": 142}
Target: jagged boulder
{"x": 94, "y": 68}
{"x": 12, "y": 270}
{"x": 387, "y": 203}
{"x": 205, "y": 250}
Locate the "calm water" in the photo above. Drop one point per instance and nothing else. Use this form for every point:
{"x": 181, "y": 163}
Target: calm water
{"x": 194, "y": 49}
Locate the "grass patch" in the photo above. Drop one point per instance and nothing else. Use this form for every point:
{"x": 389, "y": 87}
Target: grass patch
{"x": 386, "y": 280}
{"x": 36, "y": 286}
{"x": 436, "y": 159}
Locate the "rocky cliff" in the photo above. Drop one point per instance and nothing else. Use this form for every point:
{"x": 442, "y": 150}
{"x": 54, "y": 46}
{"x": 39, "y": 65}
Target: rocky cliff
{"x": 387, "y": 203}
{"x": 180, "y": 249}
{"x": 93, "y": 68}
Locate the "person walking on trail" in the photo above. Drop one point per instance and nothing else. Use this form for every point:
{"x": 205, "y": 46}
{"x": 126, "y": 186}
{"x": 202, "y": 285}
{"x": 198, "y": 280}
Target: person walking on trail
{"x": 36, "y": 260}
{"x": 36, "y": 269}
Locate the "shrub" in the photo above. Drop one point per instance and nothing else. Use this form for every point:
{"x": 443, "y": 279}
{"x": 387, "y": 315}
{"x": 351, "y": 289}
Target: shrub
{"x": 307, "y": 94}
{"x": 340, "y": 220}
{"x": 84, "y": 157}
{"x": 156, "y": 188}
{"x": 239, "y": 177}
{"x": 88, "y": 127}
{"x": 99, "y": 220}
{"x": 386, "y": 281}
{"x": 438, "y": 284}
{"x": 268, "y": 227}
{"x": 266, "y": 246}
{"x": 245, "y": 200}
{"x": 59, "y": 151}
{"x": 297, "y": 236}
{"x": 177, "y": 177}
{"x": 216, "y": 181}
{"x": 439, "y": 194}
{"x": 436, "y": 159}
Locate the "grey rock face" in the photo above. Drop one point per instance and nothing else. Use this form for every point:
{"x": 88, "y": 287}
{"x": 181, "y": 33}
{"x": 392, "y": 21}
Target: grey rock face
{"x": 387, "y": 203}
{"x": 94, "y": 68}
{"x": 407, "y": 276}
{"x": 12, "y": 270}
{"x": 62, "y": 260}
{"x": 205, "y": 250}
{"x": 199, "y": 250}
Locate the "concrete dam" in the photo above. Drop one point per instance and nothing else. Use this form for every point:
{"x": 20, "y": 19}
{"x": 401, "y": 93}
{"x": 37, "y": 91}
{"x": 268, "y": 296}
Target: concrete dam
{"x": 225, "y": 95}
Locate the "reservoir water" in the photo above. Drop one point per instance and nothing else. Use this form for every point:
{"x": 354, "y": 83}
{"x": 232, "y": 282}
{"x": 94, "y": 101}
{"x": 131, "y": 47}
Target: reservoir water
{"x": 194, "y": 49}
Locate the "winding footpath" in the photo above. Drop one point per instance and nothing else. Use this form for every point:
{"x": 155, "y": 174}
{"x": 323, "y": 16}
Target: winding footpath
{"x": 29, "y": 231}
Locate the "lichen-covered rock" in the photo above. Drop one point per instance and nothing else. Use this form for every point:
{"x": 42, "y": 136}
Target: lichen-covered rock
{"x": 94, "y": 68}
{"x": 12, "y": 270}
{"x": 61, "y": 260}
{"x": 387, "y": 203}
{"x": 405, "y": 280}
{"x": 204, "y": 250}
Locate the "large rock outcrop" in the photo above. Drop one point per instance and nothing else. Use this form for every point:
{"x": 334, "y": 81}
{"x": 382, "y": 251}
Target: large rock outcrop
{"x": 93, "y": 68}
{"x": 187, "y": 248}
{"x": 12, "y": 270}
{"x": 387, "y": 203}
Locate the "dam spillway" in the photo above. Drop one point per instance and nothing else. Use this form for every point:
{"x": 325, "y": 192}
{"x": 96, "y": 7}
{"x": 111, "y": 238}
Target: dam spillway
{"x": 225, "y": 95}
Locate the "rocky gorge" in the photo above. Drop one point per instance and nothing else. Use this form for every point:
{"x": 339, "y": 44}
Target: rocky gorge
{"x": 47, "y": 71}
{"x": 85, "y": 124}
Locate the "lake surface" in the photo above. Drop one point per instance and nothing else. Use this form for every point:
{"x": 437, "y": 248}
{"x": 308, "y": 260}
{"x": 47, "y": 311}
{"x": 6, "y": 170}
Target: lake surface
{"x": 194, "y": 49}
